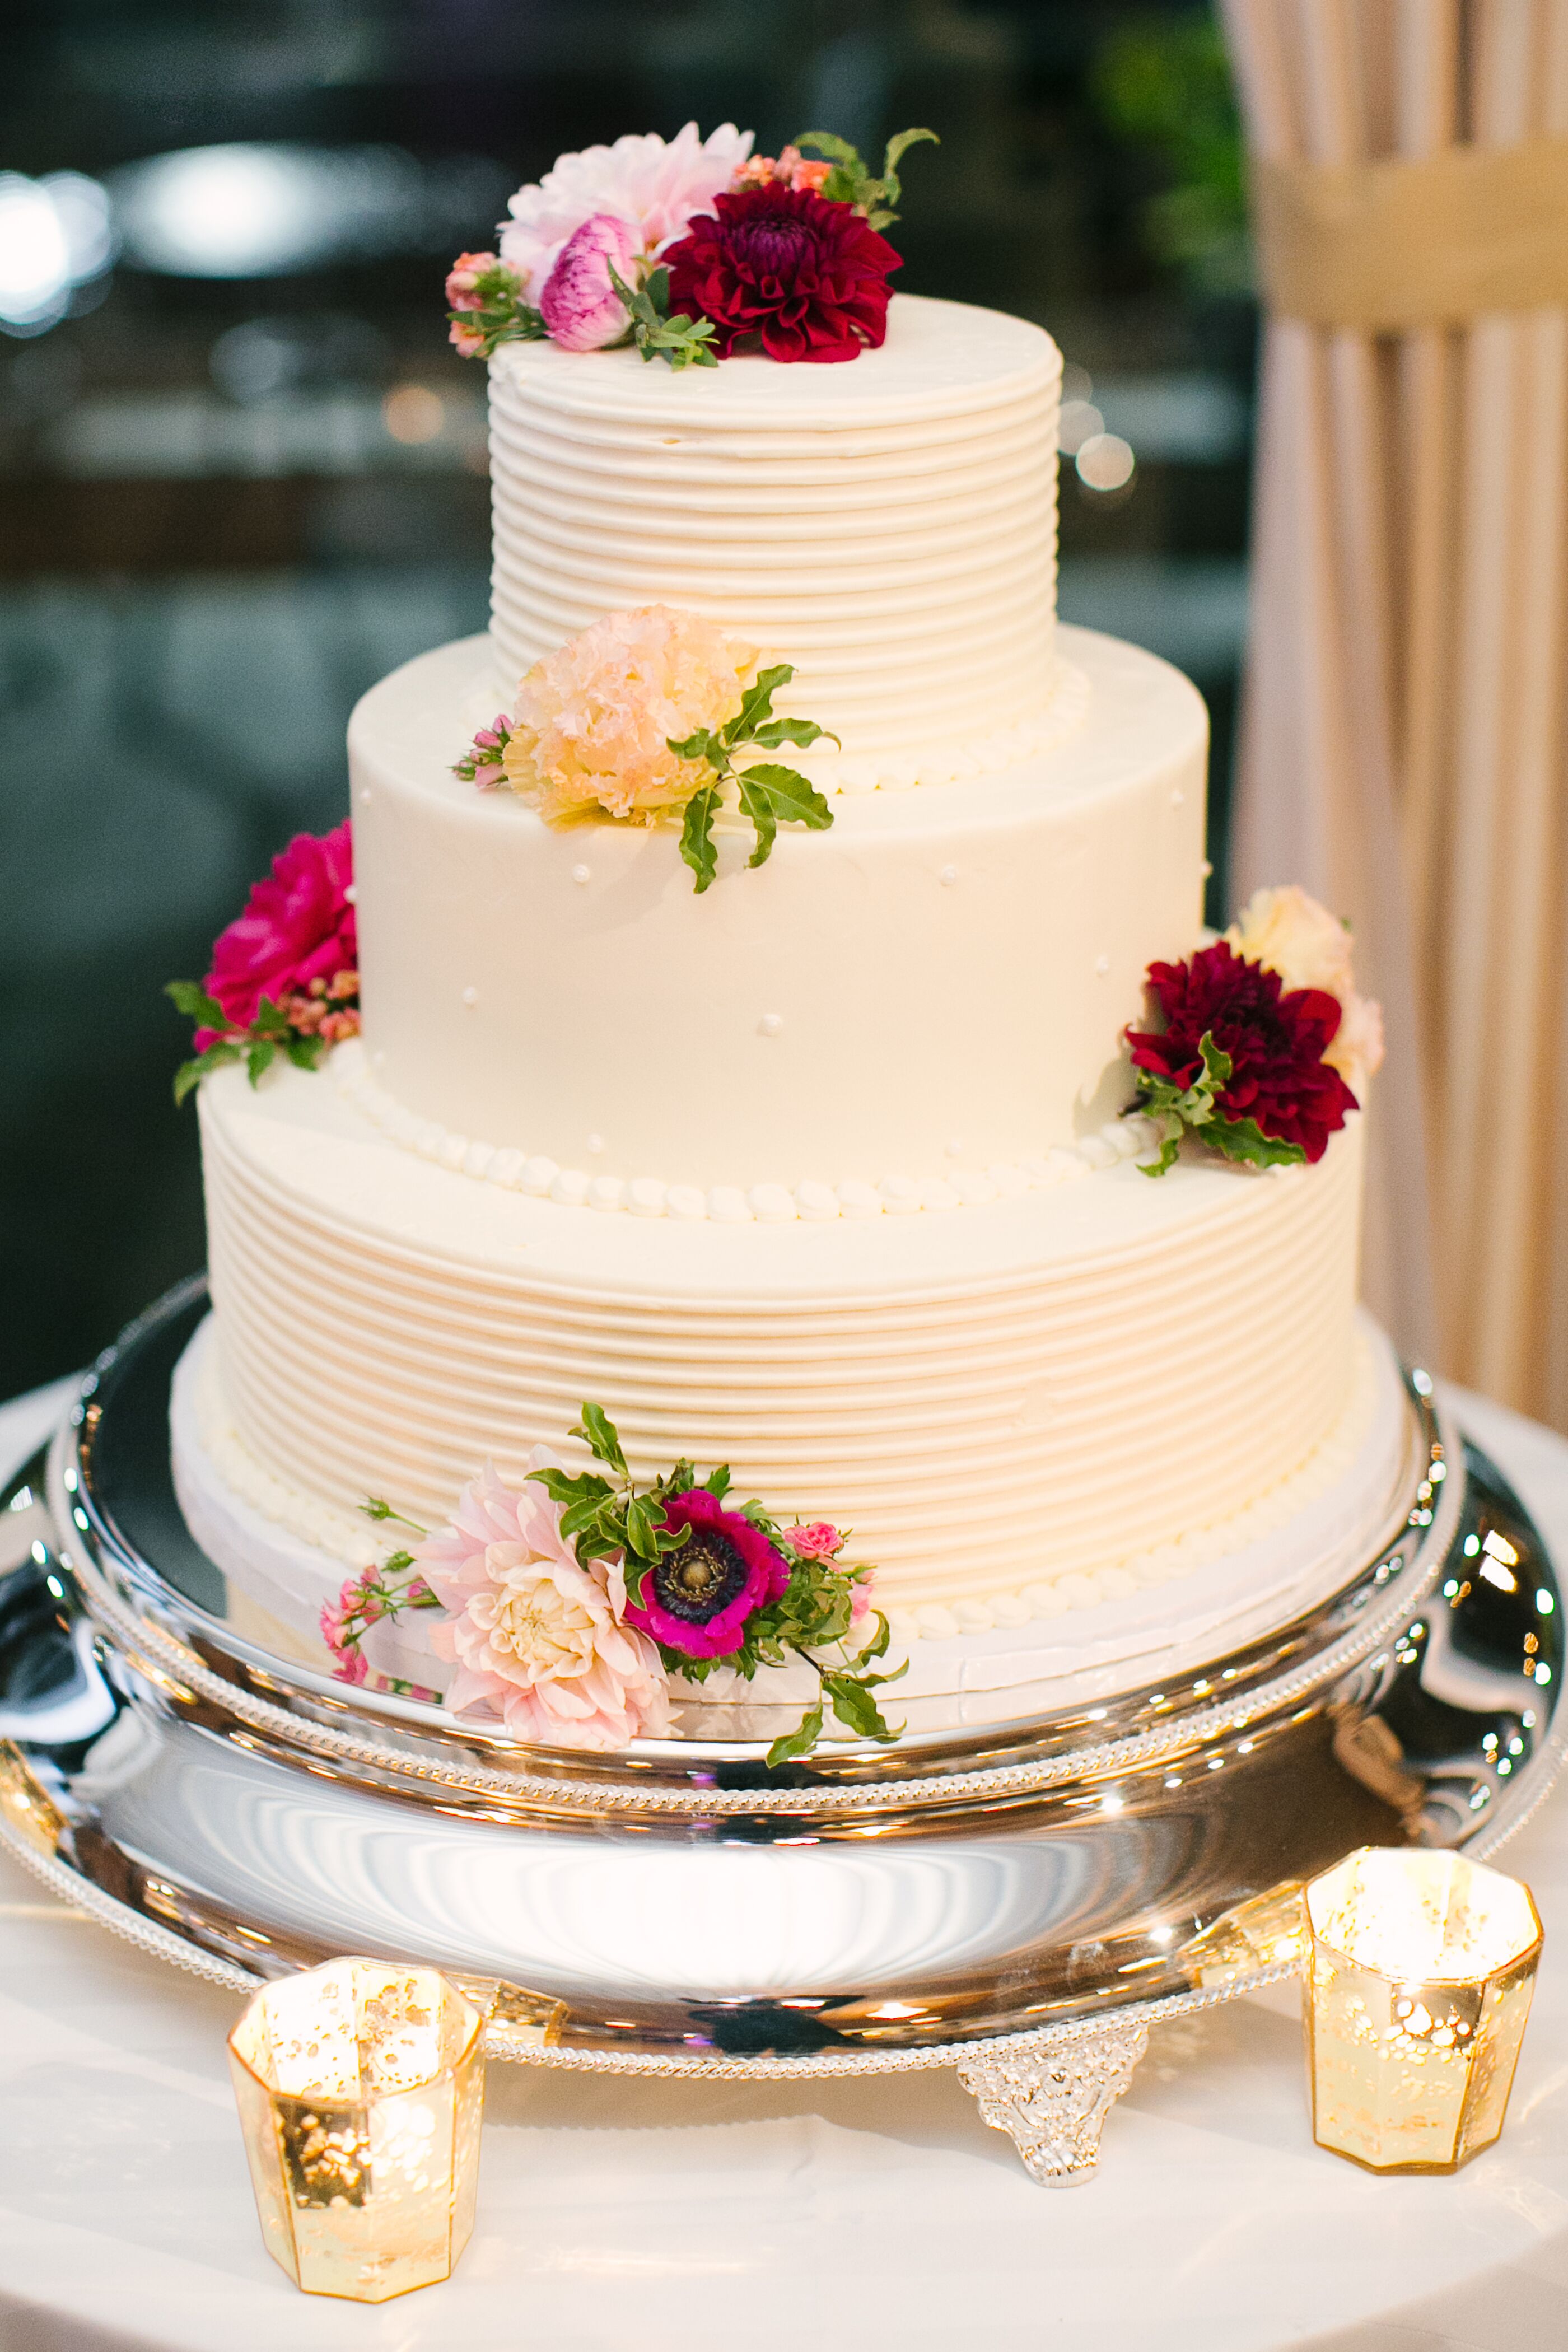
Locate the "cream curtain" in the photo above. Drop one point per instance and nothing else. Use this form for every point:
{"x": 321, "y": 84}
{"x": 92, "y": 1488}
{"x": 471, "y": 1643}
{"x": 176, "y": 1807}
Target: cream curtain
{"x": 1403, "y": 746}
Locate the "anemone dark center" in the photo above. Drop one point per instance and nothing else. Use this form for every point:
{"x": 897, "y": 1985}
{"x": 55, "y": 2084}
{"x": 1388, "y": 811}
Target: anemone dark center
{"x": 774, "y": 244}
{"x": 699, "y": 1579}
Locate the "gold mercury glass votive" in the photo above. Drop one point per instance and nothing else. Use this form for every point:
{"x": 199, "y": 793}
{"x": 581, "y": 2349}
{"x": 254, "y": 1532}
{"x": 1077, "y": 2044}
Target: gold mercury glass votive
{"x": 361, "y": 2089}
{"x": 1419, "y": 1984}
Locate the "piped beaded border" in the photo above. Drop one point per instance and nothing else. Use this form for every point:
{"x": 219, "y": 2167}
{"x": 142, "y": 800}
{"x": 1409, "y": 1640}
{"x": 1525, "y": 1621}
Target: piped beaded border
{"x": 811, "y": 1202}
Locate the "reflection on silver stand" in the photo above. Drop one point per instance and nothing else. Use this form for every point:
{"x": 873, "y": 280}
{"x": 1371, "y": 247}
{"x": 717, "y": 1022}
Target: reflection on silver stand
{"x": 1020, "y": 1902}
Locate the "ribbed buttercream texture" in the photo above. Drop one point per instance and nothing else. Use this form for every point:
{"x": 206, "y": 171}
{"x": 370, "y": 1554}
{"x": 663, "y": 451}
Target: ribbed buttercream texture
{"x": 974, "y": 1431}
{"x": 887, "y": 525}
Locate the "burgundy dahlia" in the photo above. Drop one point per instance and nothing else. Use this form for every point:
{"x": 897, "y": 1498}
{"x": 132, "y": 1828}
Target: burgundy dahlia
{"x": 1276, "y": 1041}
{"x": 807, "y": 275}
{"x": 699, "y": 1598}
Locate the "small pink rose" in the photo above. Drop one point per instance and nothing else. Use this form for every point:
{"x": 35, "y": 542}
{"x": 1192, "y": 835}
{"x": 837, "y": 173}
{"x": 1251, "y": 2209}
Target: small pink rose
{"x": 464, "y": 276}
{"x": 469, "y": 343}
{"x": 817, "y": 1540}
{"x": 581, "y": 309}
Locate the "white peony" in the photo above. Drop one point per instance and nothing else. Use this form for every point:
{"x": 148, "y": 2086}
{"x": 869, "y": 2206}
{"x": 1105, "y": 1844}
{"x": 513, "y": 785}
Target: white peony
{"x": 658, "y": 186}
{"x": 1290, "y": 932}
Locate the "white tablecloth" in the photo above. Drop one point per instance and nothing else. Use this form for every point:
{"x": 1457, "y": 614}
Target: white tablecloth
{"x": 618, "y": 2216}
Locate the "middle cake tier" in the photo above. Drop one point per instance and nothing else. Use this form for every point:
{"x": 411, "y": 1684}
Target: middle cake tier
{"x": 933, "y": 989}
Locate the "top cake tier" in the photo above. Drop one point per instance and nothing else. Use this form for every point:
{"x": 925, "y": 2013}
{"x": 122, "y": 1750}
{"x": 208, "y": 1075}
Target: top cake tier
{"x": 888, "y": 527}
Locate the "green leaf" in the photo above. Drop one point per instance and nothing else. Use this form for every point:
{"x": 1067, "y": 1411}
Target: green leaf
{"x": 853, "y": 1705}
{"x": 571, "y": 1486}
{"x": 693, "y": 747}
{"x": 305, "y": 1053}
{"x": 789, "y": 730}
{"x": 893, "y": 155}
{"x": 828, "y": 143}
{"x": 792, "y": 798}
{"x": 259, "y": 1059}
{"x": 591, "y": 1514}
{"x": 1170, "y": 1152}
{"x": 1244, "y": 1139}
{"x": 757, "y": 703}
{"x": 696, "y": 835}
{"x": 212, "y": 1057}
{"x": 756, "y": 804}
{"x": 718, "y": 1482}
{"x": 878, "y": 1648}
{"x": 189, "y": 997}
{"x": 600, "y": 1432}
{"x": 645, "y": 1528}
{"x": 801, "y": 1740}
{"x": 656, "y": 288}
{"x": 269, "y": 1020}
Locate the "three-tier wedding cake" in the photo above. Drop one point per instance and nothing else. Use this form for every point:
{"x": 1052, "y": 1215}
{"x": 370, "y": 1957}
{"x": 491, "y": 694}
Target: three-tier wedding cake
{"x": 837, "y": 1168}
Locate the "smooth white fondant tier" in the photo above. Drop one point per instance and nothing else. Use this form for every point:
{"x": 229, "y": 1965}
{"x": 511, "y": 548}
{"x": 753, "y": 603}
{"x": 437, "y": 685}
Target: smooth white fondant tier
{"x": 888, "y": 525}
{"x": 1156, "y": 1615}
{"x": 989, "y": 1399}
{"x": 937, "y": 983}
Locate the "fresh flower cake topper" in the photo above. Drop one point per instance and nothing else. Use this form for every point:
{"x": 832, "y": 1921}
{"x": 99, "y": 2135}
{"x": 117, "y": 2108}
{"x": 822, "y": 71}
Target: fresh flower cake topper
{"x": 1264, "y": 1038}
{"x": 570, "y": 1603}
{"x": 691, "y": 251}
{"x": 643, "y": 713}
{"x": 284, "y": 976}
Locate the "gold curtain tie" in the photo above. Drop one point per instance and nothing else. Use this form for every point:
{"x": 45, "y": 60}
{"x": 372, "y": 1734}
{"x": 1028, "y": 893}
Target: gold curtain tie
{"x": 1425, "y": 243}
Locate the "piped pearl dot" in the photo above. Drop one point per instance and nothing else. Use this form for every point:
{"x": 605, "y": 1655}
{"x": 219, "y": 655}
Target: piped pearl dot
{"x": 365, "y": 797}
{"x": 1103, "y": 965}
{"x": 770, "y": 1025}
{"x": 580, "y": 874}
{"x": 954, "y": 1146}
{"x": 948, "y": 877}
{"x": 1178, "y": 798}
{"x": 351, "y": 896}
{"x": 470, "y": 995}
{"x": 1205, "y": 869}
{"x": 595, "y": 1144}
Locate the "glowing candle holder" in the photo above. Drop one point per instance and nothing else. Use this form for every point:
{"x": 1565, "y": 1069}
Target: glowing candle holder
{"x": 361, "y": 2089}
{"x": 1418, "y": 1986}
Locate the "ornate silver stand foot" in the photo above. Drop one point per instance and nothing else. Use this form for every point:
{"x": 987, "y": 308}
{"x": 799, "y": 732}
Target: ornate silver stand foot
{"x": 1053, "y": 2101}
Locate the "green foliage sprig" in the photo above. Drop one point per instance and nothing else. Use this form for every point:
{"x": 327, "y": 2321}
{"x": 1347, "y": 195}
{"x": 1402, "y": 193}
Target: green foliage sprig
{"x": 768, "y": 793}
{"x": 602, "y": 1513}
{"x": 270, "y": 1033}
{"x": 502, "y": 315}
{"x": 851, "y": 180}
{"x": 1194, "y": 1109}
{"x": 681, "y": 342}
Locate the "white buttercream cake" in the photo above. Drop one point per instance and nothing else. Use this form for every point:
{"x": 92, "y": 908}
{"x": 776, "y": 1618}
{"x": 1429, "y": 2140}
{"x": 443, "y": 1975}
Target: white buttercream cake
{"x": 821, "y": 1172}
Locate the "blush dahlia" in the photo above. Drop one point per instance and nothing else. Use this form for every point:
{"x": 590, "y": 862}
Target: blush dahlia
{"x": 696, "y": 1600}
{"x": 807, "y": 275}
{"x": 1275, "y": 1039}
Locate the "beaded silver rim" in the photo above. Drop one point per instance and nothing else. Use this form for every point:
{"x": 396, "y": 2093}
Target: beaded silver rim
{"x": 1104, "y": 1760}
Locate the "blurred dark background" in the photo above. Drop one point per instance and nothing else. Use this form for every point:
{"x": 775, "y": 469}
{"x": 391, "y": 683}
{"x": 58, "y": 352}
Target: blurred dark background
{"x": 241, "y": 475}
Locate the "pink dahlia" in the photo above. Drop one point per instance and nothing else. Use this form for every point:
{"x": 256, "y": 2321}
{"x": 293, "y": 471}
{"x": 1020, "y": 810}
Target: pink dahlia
{"x": 655, "y": 185}
{"x": 808, "y": 275}
{"x": 700, "y": 1597}
{"x": 298, "y": 927}
{"x": 581, "y": 309}
{"x": 537, "y": 1639}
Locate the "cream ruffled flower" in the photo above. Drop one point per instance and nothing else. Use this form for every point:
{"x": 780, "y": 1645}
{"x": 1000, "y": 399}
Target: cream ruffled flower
{"x": 537, "y": 1639}
{"x": 593, "y": 720}
{"x": 659, "y": 186}
{"x": 1293, "y": 935}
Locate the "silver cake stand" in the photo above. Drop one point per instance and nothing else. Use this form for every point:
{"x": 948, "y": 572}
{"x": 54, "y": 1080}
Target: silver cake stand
{"x": 1019, "y": 1902}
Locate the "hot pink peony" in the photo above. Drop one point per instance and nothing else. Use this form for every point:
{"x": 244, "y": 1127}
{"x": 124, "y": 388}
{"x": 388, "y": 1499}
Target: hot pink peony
{"x": 699, "y": 1598}
{"x": 593, "y": 722}
{"x": 298, "y": 927}
{"x": 655, "y": 185}
{"x": 581, "y": 309}
{"x": 538, "y": 1640}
